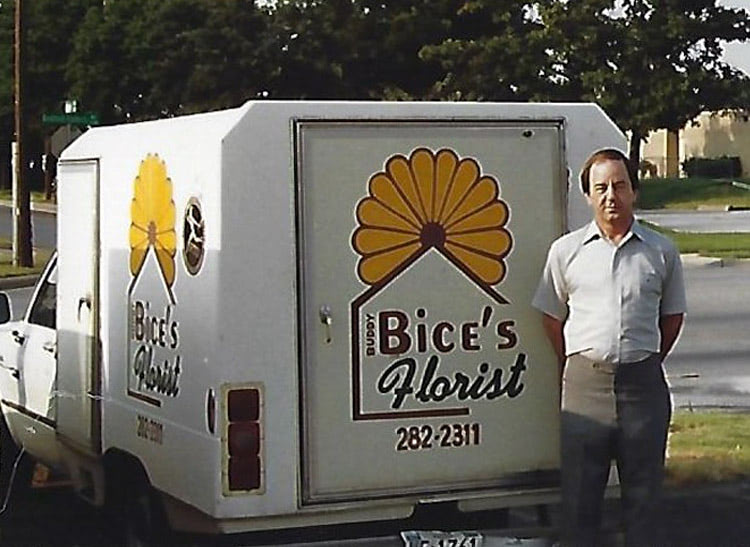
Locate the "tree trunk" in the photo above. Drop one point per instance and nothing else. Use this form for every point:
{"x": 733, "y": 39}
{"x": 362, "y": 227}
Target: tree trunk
{"x": 47, "y": 166}
{"x": 635, "y": 149}
{"x": 22, "y": 255}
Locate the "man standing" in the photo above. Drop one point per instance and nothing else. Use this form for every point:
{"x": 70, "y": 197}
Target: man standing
{"x": 613, "y": 301}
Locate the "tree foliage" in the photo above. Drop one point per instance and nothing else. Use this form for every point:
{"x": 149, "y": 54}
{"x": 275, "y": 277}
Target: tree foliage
{"x": 495, "y": 52}
{"x": 138, "y": 59}
{"x": 48, "y": 38}
{"x": 649, "y": 63}
{"x": 359, "y": 48}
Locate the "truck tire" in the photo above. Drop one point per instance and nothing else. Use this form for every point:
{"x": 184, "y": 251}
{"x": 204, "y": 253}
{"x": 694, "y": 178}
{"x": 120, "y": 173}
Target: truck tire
{"x": 145, "y": 521}
{"x": 20, "y": 482}
{"x": 135, "y": 508}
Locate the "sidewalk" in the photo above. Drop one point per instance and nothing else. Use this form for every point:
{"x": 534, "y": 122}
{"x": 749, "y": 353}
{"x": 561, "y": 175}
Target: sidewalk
{"x": 702, "y": 220}
{"x": 36, "y": 206}
{"x": 711, "y": 515}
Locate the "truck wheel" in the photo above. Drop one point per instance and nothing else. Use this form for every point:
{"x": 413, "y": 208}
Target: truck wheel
{"x": 20, "y": 483}
{"x": 145, "y": 520}
{"x": 135, "y": 509}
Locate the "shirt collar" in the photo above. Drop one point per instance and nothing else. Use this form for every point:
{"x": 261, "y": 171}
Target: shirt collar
{"x": 638, "y": 230}
{"x": 593, "y": 232}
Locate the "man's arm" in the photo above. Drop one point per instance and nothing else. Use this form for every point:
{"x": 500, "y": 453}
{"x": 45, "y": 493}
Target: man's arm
{"x": 553, "y": 328}
{"x": 669, "y": 326}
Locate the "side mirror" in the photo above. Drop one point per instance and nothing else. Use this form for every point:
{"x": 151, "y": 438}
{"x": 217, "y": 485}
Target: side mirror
{"x": 5, "y": 311}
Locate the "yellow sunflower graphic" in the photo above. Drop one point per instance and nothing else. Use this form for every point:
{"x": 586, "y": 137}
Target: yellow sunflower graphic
{"x": 432, "y": 200}
{"x": 152, "y": 216}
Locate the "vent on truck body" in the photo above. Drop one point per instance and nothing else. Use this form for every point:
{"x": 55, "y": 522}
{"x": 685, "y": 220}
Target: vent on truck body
{"x": 242, "y": 439}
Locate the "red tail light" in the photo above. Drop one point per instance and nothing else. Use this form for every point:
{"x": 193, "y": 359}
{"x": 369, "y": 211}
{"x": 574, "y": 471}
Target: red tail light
{"x": 244, "y": 405}
{"x": 244, "y": 437}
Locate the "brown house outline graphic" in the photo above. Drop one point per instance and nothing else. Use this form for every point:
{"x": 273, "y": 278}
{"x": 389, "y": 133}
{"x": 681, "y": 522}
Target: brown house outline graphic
{"x": 431, "y": 235}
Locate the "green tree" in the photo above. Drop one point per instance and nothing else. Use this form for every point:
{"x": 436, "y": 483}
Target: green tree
{"x": 49, "y": 33}
{"x": 359, "y": 48}
{"x": 236, "y": 56}
{"x": 495, "y": 51}
{"x": 391, "y": 63}
{"x": 49, "y": 40}
{"x": 650, "y": 65}
{"x": 107, "y": 68}
{"x": 6, "y": 89}
{"x": 142, "y": 59}
{"x": 161, "y": 53}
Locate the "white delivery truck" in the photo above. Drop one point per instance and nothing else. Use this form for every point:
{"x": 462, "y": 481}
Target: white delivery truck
{"x": 302, "y": 313}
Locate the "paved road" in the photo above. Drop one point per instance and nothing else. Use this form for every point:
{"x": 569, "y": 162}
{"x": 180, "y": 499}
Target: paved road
{"x": 699, "y": 221}
{"x": 43, "y": 227}
{"x": 710, "y": 365}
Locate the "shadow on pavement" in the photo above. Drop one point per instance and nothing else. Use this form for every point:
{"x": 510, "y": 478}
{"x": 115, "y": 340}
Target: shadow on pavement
{"x": 711, "y": 516}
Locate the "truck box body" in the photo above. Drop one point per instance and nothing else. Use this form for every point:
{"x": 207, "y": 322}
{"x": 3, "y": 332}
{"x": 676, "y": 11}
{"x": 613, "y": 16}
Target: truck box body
{"x": 300, "y": 312}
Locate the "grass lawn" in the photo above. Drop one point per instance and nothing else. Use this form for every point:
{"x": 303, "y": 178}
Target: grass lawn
{"x": 720, "y": 245}
{"x": 7, "y": 195}
{"x": 708, "y": 447}
{"x": 7, "y": 269}
{"x": 690, "y": 193}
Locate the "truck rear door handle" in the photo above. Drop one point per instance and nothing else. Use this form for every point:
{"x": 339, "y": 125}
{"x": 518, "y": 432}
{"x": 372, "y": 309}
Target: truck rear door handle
{"x": 49, "y": 347}
{"x": 13, "y": 370}
{"x": 325, "y": 317}
{"x": 84, "y": 300}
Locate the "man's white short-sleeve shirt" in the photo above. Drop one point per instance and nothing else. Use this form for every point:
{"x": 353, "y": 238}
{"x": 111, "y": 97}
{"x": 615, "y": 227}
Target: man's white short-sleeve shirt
{"x": 612, "y": 296}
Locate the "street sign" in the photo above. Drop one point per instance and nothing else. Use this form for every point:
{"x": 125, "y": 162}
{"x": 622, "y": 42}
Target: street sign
{"x": 82, "y": 118}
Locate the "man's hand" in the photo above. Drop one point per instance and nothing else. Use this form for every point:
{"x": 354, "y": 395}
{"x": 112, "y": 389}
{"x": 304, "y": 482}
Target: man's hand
{"x": 669, "y": 327}
{"x": 553, "y": 328}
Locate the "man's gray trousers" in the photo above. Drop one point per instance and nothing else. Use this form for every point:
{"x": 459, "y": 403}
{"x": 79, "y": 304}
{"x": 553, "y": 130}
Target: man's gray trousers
{"x": 613, "y": 411}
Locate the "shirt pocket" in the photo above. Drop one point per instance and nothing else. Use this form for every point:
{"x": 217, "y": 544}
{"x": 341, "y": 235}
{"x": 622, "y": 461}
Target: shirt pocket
{"x": 643, "y": 283}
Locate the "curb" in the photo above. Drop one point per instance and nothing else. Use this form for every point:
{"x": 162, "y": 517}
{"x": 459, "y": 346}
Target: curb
{"x": 721, "y": 208}
{"x": 694, "y": 259}
{"x": 47, "y": 208}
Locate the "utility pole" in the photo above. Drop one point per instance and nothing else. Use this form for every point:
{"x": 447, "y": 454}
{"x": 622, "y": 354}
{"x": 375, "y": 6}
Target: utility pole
{"x": 22, "y": 255}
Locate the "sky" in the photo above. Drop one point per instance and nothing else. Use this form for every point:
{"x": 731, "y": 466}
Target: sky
{"x": 736, "y": 53}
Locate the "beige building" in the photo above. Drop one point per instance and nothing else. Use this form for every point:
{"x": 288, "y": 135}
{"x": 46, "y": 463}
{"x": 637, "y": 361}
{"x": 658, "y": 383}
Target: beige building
{"x": 711, "y": 135}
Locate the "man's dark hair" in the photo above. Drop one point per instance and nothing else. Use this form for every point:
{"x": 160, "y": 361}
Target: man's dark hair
{"x": 607, "y": 154}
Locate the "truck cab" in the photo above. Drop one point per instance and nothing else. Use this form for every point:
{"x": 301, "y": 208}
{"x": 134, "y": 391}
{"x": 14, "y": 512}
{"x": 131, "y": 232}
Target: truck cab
{"x": 28, "y": 370}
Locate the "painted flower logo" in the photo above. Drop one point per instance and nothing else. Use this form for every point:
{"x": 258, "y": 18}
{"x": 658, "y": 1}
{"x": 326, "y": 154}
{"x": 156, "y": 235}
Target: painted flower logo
{"x": 432, "y": 200}
{"x": 152, "y": 216}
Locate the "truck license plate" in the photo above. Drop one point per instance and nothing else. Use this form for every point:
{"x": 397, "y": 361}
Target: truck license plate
{"x": 441, "y": 539}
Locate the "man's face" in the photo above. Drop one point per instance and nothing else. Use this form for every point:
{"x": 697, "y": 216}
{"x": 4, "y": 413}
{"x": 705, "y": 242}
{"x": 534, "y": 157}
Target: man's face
{"x": 611, "y": 194}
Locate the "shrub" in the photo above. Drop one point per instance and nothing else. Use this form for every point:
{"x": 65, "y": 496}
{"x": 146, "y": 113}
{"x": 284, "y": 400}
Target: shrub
{"x": 713, "y": 168}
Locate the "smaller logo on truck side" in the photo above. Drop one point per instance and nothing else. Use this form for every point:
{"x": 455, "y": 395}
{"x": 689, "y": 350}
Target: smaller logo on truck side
{"x": 432, "y": 332}
{"x": 154, "y": 361}
{"x": 193, "y": 237}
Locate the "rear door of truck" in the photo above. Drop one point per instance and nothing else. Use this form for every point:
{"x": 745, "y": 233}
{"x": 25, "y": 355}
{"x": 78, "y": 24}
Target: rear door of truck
{"x": 423, "y": 367}
{"x": 78, "y": 343}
